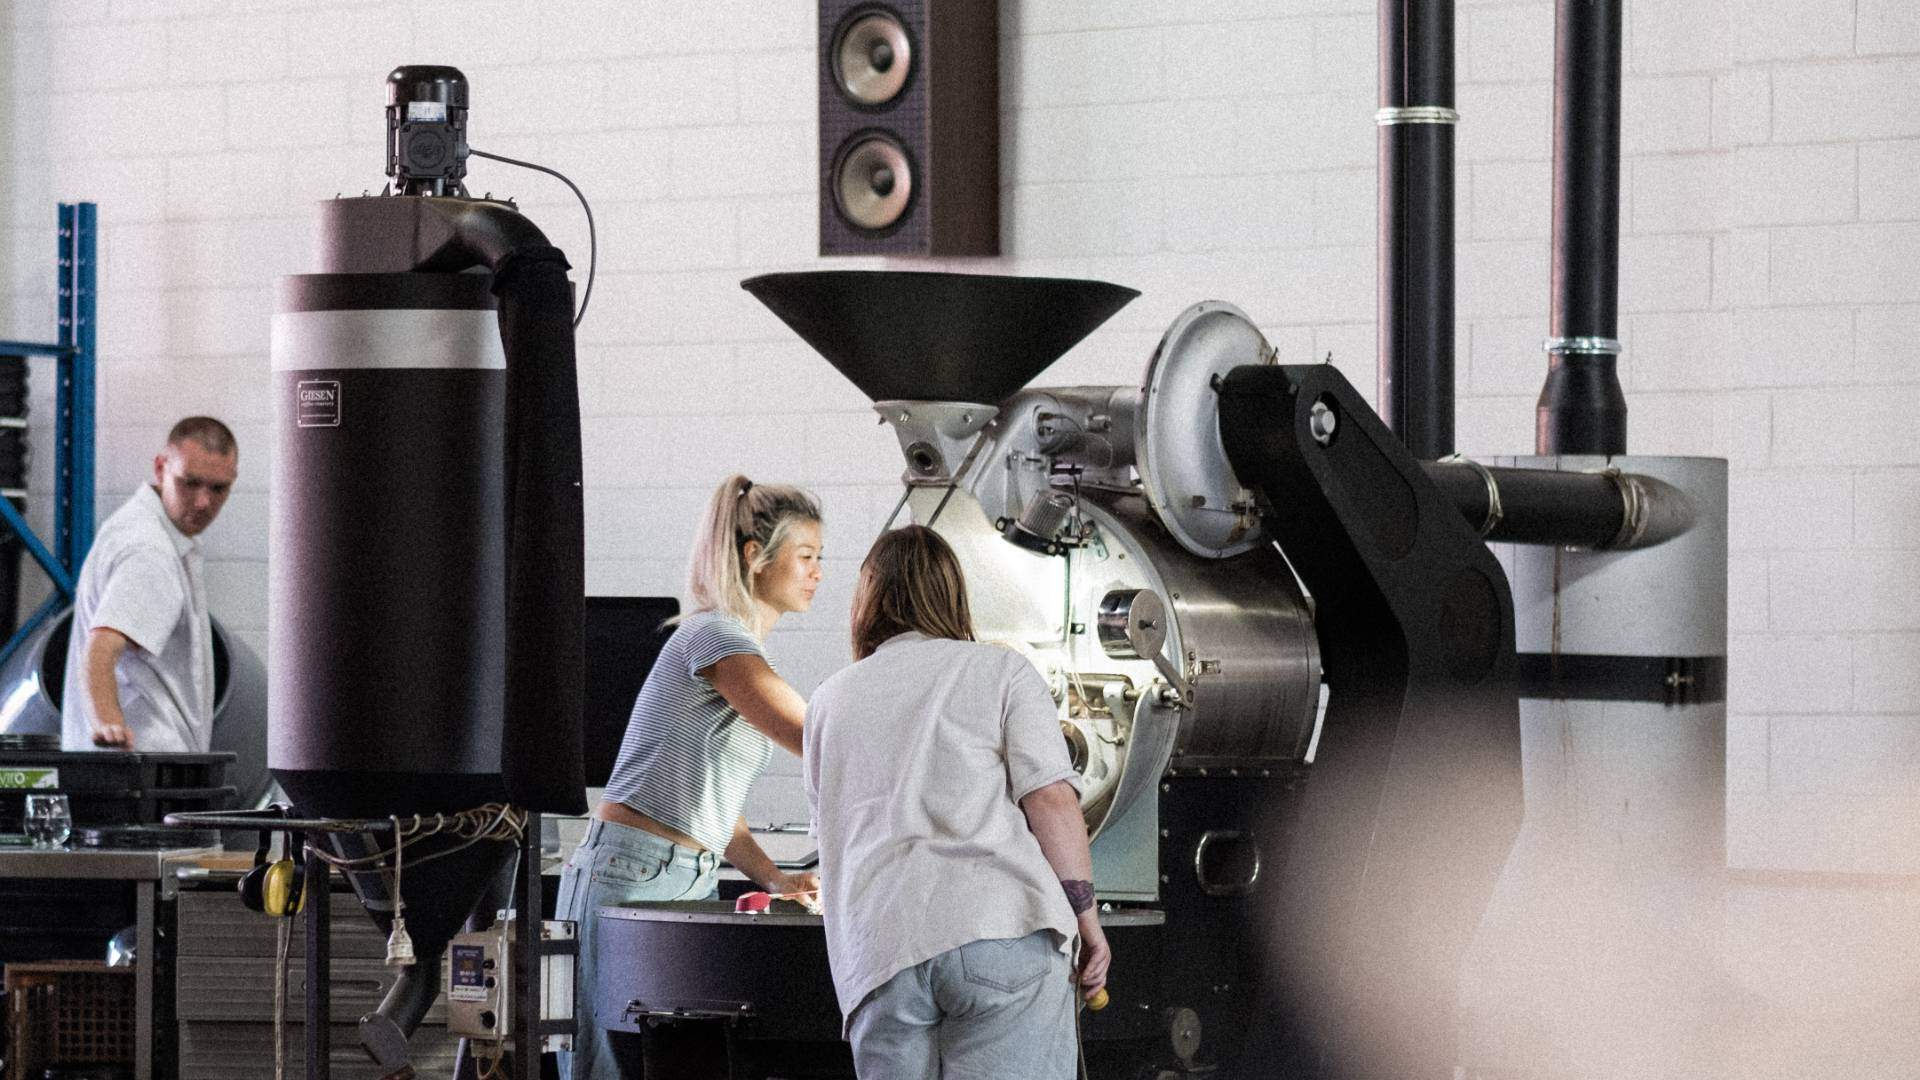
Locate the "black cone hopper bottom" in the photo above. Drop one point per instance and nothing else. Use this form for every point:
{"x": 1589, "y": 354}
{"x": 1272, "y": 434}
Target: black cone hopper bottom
{"x": 915, "y": 336}
{"x": 439, "y": 894}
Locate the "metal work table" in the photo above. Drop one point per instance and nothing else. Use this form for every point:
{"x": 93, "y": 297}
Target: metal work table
{"x": 152, "y": 875}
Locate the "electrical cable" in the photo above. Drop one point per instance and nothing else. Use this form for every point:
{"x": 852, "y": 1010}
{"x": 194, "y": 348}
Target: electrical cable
{"x": 492, "y": 821}
{"x": 593, "y": 245}
{"x": 399, "y": 942}
{"x": 280, "y": 1000}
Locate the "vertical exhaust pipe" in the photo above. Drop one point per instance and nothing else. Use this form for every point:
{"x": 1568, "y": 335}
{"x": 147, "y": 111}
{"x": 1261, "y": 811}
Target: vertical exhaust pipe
{"x": 1416, "y": 122}
{"x": 1581, "y": 408}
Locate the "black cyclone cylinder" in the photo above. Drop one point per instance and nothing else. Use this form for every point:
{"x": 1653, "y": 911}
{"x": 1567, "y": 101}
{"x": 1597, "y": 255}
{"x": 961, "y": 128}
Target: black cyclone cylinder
{"x": 387, "y": 651}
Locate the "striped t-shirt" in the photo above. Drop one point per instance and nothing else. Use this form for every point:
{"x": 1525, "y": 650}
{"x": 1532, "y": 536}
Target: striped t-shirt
{"x": 688, "y": 758}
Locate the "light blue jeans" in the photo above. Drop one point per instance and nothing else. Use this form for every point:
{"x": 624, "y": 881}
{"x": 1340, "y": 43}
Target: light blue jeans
{"x": 617, "y": 864}
{"x": 989, "y": 1010}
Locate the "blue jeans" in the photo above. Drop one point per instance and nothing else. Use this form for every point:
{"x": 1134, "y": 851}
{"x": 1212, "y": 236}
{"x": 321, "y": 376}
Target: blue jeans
{"x": 995, "y": 1009}
{"x": 617, "y": 864}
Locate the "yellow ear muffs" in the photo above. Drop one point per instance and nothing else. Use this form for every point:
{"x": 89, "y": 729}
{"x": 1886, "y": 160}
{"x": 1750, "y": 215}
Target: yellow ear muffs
{"x": 284, "y": 888}
{"x": 276, "y": 888}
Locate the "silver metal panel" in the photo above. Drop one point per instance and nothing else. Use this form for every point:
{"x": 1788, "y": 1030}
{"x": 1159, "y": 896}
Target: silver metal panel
{"x": 1156, "y": 728}
{"x": 1094, "y": 427}
{"x": 240, "y": 988}
{"x": 1643, "y": 783}
{"x": 1183, "y": 466}
{"x": 1241, "y": 630}
{"x": 1668, "y": 600}
{"x": 390, "y": 338}
{"x": 1043, "y": 607}
{"x": 98, "y": 865}
{"x": 244, "y": 1051}
{"x": 1126, "y": 854}
{"x": 1015, "y": 595}
{"x": 1245, "y": 639}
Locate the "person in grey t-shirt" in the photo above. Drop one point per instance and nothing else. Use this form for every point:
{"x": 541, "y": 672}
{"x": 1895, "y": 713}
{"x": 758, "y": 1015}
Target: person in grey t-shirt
{"x": 703, "y": 728}
{"x": 953, "y": 854}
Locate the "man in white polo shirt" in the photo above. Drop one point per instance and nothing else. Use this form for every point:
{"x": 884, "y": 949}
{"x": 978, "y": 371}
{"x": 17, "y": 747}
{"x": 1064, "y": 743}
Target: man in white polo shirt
{"x": 140, "y": 654}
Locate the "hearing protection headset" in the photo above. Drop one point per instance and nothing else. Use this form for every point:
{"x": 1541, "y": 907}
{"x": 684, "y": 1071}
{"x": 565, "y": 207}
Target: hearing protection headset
{"x": 276, "y": 887}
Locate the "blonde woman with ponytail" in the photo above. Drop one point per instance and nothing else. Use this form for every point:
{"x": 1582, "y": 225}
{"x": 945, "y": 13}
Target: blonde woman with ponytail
{"x": 702, "y": 729}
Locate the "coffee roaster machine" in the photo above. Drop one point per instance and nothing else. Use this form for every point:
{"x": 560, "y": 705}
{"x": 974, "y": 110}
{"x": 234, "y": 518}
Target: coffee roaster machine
{"x": 1285, "y": 659}
{"x": 1316, "y": 671}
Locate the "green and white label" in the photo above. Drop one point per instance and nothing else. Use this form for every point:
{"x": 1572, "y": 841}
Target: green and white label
{"x": 12, "y": 779}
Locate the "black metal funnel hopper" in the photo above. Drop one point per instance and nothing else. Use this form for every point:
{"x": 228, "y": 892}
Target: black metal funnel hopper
{"x": 444, "y": 878}
{"x": 916, "y": 336}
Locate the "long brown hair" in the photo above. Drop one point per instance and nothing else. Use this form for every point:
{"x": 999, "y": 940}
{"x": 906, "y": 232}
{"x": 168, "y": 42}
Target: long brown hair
{"x": 740, "y": 510}
{"x": 911, "y": 580}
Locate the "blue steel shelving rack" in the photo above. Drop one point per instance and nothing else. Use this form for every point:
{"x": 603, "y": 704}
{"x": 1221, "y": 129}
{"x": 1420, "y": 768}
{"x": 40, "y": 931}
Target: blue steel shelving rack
{"x": 73, "y": 419}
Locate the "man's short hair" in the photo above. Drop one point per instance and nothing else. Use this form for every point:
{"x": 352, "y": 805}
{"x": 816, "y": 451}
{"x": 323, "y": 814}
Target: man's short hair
{"x": 213, "y": 436}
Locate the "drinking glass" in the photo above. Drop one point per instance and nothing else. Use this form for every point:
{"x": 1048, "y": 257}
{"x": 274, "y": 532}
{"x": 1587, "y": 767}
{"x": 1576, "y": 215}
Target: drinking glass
{"x": 49, "y": 821}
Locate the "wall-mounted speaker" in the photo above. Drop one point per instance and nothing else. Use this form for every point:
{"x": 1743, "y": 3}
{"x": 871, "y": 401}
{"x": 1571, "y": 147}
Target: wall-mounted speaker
{"x": 909, "y": 127}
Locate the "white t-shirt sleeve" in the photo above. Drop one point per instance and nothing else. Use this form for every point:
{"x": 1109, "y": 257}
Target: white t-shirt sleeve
{"x": 810, "y": 764}
{"x": 142, "y": 598}
{"x": 1036, "y": 751}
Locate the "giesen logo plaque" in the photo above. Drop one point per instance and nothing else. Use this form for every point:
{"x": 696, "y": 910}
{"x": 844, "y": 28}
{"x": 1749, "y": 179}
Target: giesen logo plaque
{"x": 317, "y": 403}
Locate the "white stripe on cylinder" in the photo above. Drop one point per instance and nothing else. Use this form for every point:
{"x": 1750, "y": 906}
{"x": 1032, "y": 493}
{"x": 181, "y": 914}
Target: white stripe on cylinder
{"x": 388, "y": 338}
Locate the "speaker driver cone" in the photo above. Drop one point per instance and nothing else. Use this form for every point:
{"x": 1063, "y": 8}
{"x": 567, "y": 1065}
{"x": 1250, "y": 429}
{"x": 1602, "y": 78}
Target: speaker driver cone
{"x": 873, "y": 182}
{"x": 872, "y": 58}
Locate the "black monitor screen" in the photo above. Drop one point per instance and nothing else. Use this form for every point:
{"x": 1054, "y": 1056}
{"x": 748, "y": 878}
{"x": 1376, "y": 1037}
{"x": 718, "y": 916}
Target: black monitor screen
{"x": 624, "y": 636}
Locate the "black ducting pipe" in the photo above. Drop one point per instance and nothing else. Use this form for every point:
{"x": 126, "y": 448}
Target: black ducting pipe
{"x": 1582, "y": 409}
{"x": 540, "y": 748}
{"x": 1607, "y": 510}
{"x": 1416, "y": 122}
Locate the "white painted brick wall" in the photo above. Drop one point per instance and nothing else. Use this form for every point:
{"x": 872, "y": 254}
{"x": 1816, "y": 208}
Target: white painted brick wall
{"x": 1189, "y": 148}
{"x": 1886, "y": 511}
{"x": 1817, "y": 184}
{"x": 1887, "y": 26}
{"x": 1673, "y": 38}
{"x": 1861, "y": 99}
{"x": 1780, "y": 30}
{"x": 1886, "y": 180}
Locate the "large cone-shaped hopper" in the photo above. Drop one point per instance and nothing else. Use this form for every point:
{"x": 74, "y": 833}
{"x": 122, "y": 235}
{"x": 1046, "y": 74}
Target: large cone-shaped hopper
{"x": 444, "y": 880}
{"x": 911, "y": 336}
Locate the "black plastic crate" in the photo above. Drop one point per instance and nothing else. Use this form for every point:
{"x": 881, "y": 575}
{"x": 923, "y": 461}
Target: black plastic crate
{"x": 112, "y": 770}
{"x": 69, "y": 1013}
{"x": 118, "y": 807}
